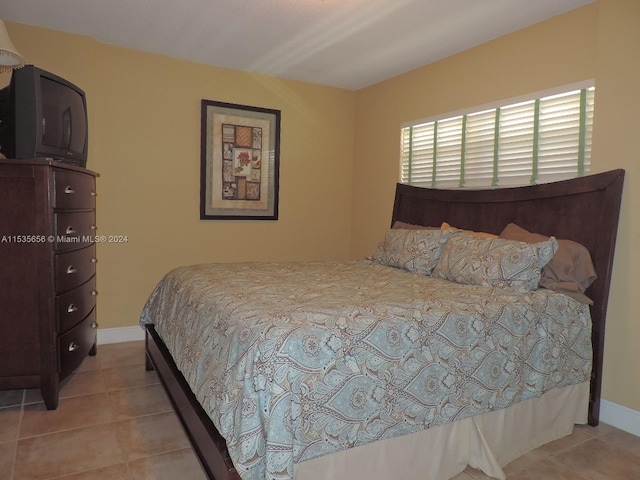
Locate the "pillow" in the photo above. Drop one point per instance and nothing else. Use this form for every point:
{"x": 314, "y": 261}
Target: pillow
{"x": 411, "y": 226}
{"x": 494, "y": 262}
{"x": 570, "y": 271}
{"x": 446, "y": 226}
{"x": 415, "y": 250}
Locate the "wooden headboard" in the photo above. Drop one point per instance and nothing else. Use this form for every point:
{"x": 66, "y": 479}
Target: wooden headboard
{"x": 585, "y": 210}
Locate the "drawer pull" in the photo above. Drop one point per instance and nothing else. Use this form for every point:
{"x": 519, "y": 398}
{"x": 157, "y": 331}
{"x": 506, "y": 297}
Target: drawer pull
{"x": 93, "y": 227}
{"x": 93, "y": 193}
{"x": 71, "y": 269}
{"x": 69, "y": 190}
{"x": 72, "y": 308}
{"x": 94, "y": 293}
{"x": 73, "y": 346}
{"x": 94, "y": 325}
{"x": 94, "y": 260}
{"x": 70, "y": 230}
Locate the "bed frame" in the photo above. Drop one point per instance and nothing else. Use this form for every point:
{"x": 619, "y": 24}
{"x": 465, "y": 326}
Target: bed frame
{"x": 585, "y": 210}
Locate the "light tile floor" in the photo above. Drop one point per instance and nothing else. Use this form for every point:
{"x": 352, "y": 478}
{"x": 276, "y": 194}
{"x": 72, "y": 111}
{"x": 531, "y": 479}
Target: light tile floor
{"x": 114, "y": 422}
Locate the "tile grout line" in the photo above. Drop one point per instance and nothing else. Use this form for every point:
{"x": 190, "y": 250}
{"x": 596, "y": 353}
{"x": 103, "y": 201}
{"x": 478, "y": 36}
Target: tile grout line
{"x": 17, "y": 440}
{"x": 125, "y": 456}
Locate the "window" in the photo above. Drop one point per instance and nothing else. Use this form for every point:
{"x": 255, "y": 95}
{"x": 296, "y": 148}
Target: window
{"x": 523, "y": 142}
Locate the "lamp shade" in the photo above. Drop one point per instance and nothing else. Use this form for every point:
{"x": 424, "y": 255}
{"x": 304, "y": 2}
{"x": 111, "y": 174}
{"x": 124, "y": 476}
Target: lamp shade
{"x": 9, "y": 56}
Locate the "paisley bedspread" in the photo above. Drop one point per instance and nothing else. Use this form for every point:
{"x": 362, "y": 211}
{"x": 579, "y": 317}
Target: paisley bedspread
{"x": 297, "y": 360}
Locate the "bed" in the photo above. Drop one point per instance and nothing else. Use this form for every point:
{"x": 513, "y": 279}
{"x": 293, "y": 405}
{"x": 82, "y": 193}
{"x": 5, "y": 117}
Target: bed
{"x": 321, "y": 377}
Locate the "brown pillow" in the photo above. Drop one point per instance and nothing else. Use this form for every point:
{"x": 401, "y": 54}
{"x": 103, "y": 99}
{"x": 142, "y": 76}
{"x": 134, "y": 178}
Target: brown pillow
{"x": 411, "y": 226}
{"x": 446, "y": 226}
{"x": 570, "y": 271}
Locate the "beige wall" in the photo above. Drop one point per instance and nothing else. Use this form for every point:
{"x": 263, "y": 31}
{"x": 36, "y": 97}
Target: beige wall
{"x": 600, "y": 41}
{"x": 617, "y": 144}
{"x": 145, "y": 144}
{"x": 550, "y": 54}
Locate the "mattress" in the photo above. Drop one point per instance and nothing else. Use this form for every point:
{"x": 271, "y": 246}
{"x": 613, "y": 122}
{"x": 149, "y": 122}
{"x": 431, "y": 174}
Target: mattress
{"x": 295, "y": 361}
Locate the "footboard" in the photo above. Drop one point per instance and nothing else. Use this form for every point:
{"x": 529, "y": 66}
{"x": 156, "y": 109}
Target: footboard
{"x": 207, "y": 443}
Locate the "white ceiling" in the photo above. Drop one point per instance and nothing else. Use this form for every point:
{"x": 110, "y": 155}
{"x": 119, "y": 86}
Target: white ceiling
{"x": 343, "y": 43}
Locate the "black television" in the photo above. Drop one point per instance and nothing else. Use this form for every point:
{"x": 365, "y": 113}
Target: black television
{"x": 43, "y": 115}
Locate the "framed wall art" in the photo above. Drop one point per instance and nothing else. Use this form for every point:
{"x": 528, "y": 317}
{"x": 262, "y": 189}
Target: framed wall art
{"x": 240, "y": 161}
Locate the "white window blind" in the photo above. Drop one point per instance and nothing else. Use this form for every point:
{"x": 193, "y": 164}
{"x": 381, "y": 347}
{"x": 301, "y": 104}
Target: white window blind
{"x": 530, "y": 141}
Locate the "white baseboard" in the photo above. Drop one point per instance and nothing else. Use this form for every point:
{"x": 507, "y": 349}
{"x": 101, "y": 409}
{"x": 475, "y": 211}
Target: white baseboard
{"x": 610, "y": 413}
{"x": 119, "y": 335}
{"x": 620, "y": 417}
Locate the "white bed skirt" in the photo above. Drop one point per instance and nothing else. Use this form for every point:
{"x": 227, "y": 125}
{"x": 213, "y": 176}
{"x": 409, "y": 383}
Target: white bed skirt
{"x": 486, "y": 442}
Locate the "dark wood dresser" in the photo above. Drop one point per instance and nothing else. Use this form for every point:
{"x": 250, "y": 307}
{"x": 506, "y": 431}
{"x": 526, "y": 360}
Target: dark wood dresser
{"x": 47, "y": 273}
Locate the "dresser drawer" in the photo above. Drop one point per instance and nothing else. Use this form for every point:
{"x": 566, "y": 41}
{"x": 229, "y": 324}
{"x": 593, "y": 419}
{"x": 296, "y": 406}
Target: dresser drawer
{"x": 73, "y": 306}
{"x": 75, "y": 344}
{"x": 73, "y": 190}
{"x": 74, "y": 229}
{"x": 72, "y": 269}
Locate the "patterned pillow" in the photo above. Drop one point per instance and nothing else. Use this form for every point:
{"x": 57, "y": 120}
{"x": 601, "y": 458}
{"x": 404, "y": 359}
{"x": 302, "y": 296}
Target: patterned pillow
{"x": 494, "y": 262}
{"x": 415, "y": 250}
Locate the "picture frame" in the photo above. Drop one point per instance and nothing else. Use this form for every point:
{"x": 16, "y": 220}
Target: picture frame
{"x": 240, "y": 162}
